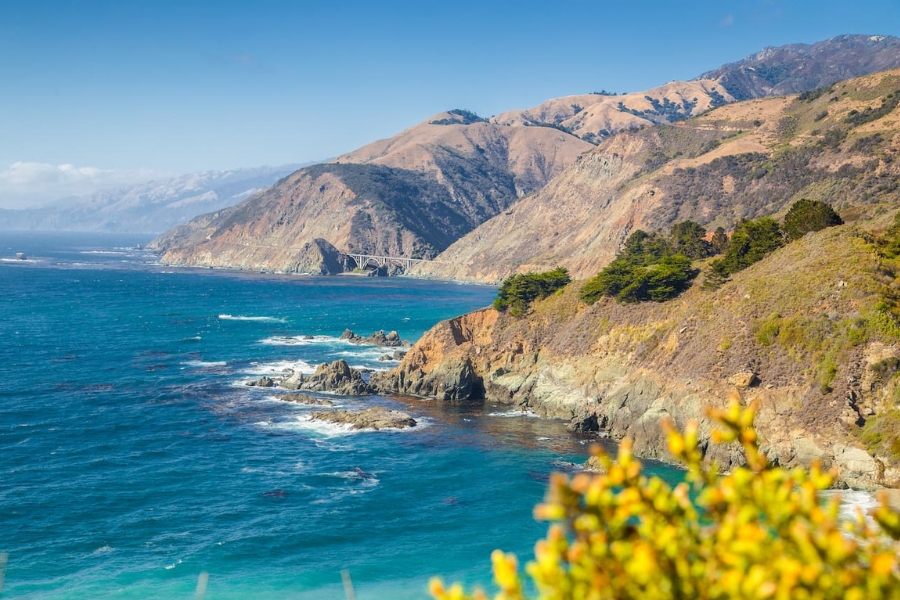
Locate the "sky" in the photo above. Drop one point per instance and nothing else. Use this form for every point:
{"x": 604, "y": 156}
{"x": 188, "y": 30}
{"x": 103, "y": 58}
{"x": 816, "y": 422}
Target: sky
{"x": 97, "y": 93}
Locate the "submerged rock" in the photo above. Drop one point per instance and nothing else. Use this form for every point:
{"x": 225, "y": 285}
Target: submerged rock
{"x": 377, "y": 417}
{"x": 304, "y": 399}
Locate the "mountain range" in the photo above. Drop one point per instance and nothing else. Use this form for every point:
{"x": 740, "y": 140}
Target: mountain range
{"x": 487, "y": 197}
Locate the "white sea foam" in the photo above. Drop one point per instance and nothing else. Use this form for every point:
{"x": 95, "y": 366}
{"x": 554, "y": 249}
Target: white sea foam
{"x": 513, "y": 413}
{"x": 202, "y": 364}
{"x": 246, "y": 318}
{"x": 853, "y": 501}
{"x": 279, "y": 367}
{"x": 105, "y": 549}
{"x": 298, "y": 340}
{"x": 363, "y": 478}
{"x": 101, "y": 252}
{"x": 325, "y": 429}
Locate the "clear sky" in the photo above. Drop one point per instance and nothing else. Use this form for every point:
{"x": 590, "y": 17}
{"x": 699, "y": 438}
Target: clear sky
{"x": 112, "y": 91}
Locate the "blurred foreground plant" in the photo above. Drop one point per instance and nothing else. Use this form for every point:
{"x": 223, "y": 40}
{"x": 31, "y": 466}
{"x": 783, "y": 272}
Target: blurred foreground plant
{"x": 759, "y": 532}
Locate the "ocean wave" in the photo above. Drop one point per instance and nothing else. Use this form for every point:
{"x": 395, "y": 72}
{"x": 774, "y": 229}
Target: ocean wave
{"x": 364, "y": 478}
{"x": 299, "y": 340}
{"x": 279, "y": 367}
{"x": 202, "y": 364}
{"x": 514, "y": 413}
{"x": 102, "y": 252}
{"x": 325, "y": 429}
{"x": 246, "y": 318}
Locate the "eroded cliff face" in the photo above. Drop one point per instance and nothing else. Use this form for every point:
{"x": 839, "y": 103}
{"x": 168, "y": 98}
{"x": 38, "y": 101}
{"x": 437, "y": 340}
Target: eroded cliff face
{"x": 622, "y": 369}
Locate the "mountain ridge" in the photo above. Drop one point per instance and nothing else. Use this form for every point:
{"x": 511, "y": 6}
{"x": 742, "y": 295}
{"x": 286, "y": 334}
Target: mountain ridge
{"x": 741, "y": 160}
{"x": 473, "y": 170}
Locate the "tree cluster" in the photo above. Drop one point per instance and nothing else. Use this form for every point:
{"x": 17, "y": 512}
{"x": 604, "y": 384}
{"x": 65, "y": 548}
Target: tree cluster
{"x": 754, "y": 240}
{"x": 651, "y": 266}
{"x": 517, "y": 292}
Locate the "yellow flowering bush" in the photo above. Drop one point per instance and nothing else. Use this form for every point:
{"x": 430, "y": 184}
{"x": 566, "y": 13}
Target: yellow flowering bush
{"x": 759, "y": 532}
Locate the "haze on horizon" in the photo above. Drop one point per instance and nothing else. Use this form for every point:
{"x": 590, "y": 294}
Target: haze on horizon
{"x": 107, "y": 93}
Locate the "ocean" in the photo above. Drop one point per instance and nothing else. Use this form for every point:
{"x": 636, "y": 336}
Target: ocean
{"x": 136, "y": 458}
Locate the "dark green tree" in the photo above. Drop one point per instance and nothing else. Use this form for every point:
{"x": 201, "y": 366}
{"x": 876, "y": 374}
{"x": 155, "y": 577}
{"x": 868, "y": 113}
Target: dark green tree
{"x": 642, "y": 248}
{"x": 517, "y": 292}
{"x": 719, "y": 241}
{"x": 627, "y": 282}
{"x": 716, "y": 275}
{"x": 688, "y": 238}
{"x": 752, "y": 241}
{"x": 809, "y": 215}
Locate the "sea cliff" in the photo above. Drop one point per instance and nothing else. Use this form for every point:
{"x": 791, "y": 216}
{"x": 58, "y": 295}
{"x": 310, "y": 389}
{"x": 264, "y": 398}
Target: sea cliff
{"x": 622, "y": 369}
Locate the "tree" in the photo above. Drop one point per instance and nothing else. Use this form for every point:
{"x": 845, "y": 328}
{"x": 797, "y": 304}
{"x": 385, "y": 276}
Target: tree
{"x": 751, "y": 242}
{"x": 517, "y": 292}
{"x": 688, "y": 238}
{"x": 809, "y": 215}
{"x": 719, "y": 241}
{"x": 627, "y": 282}
{"x": 758, "y": 532}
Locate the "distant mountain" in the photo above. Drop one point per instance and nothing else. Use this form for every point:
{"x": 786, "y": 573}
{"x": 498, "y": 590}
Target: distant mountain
{"x": 149, "y": 207}
{"x": 411, "y": 195}
{"x": 416, "y": 193}
{"x": 800, "y": 67}
{"x": 744, "y": 160}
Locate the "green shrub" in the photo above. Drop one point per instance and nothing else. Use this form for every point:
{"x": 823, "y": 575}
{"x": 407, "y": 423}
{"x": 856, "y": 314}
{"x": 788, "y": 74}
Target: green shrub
{"x": 805, "y": 216}
{"x": 651, "y": 266}
{"x": 517, "y": 292}
{"x": 881, "y": 434}
{"x": 758, "y": 532}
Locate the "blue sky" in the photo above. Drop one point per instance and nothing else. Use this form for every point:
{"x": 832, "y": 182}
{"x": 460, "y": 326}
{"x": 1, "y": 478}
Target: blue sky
{"x": 120, "y": 90}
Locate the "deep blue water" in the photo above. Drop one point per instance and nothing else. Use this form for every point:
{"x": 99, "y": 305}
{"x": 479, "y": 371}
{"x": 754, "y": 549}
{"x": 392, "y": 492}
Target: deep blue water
{"x": 134, "y": 457}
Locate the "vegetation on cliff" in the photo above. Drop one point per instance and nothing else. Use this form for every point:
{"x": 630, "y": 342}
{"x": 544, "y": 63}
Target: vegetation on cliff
{"x": 651, "y": 266}
{"x": 517, "y": 292}
{"x": 761, "y": 531}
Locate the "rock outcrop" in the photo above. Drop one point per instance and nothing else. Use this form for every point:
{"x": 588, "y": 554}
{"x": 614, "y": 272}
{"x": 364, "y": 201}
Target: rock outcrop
{"x": 337, "y": 377}
{"x": 379, "y": 338}
{"x": 622, "y": 369}
{"x": 377, "y": 418}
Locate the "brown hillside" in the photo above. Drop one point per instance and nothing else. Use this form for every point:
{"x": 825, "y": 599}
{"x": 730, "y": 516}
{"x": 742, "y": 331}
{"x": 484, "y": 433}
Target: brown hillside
{"x": 742, "y": 160}
{"x": 411, "y": 195}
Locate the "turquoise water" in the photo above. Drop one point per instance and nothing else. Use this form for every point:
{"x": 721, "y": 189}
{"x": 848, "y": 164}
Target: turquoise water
{"x": 134, "y": 458}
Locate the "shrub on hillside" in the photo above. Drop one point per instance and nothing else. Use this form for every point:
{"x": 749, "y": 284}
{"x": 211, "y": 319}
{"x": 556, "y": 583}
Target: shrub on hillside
{"x": 757, "y": 532}
{"x": 517, "y": 292}
{"x": 751, "y": 242}
{"x": 808, "y": 215}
